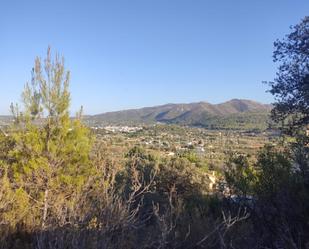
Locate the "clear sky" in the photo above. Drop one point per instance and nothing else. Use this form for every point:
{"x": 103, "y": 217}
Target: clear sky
{"x": 134, "y": 53}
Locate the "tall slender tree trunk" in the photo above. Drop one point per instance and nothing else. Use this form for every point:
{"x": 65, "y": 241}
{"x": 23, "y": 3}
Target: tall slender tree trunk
{"x": 45, "y": 209}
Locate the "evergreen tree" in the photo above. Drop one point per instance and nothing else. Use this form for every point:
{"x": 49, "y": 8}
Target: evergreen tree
{"x": 49, "y": 159}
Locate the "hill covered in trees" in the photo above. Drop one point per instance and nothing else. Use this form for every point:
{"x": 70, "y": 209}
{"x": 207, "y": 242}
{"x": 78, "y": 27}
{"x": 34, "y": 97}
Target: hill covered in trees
{"x": 233, "y": 114}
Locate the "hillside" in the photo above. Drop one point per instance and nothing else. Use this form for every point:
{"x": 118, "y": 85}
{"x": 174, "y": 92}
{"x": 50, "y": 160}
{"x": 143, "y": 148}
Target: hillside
{"x": 233, "y": 114}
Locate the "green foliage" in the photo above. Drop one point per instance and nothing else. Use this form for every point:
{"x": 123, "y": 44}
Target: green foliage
{"x": 267, "y": 176}
{"x": 47, "y": 151}
{"x": 240, "y": 175}
{"x": 274, "y": 172}
{"x": 291, "y": 86}
{"x": 190, "y": 156}
{"x": 184, "y": 176}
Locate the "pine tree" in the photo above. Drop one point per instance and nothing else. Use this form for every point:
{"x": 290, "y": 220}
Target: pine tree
{"x": 49, "y": 161}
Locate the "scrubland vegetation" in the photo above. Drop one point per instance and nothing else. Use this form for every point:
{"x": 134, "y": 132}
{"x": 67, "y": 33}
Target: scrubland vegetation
{"x": 64, "y": 185}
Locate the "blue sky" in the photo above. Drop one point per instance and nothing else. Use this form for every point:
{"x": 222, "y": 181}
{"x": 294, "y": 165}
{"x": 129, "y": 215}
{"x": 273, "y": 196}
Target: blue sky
{"x": 134, "y": 53}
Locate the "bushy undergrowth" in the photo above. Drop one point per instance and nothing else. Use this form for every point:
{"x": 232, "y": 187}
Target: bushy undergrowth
{"x": 163, "y": 203}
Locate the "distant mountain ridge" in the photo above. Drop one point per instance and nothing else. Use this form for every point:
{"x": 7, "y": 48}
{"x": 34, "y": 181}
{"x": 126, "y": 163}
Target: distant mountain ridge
{"x": 233, "y": 114}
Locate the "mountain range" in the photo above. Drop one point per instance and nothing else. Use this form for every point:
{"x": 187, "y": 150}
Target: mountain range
{"x": 233, "y": 114}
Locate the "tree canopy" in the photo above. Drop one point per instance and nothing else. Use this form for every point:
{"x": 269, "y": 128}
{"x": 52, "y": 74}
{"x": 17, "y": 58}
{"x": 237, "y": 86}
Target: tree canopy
{"x": 291, "y": 86}
{"x": 49, "y": 151}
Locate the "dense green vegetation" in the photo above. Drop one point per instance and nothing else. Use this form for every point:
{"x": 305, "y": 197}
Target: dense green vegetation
{"x": 63, "y": 185}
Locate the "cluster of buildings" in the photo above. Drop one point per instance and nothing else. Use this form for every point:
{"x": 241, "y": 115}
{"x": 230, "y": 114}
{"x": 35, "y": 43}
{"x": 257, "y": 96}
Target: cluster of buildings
{"x": 125, "y": 129}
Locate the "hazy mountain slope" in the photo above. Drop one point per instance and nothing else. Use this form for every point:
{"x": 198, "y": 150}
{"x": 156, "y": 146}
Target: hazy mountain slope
{"x": 236, "y": 113}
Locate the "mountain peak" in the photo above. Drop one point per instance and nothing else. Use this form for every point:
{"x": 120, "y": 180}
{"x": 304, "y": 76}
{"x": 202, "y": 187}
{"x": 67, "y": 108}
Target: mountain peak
{"x": 198, "y": 113}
